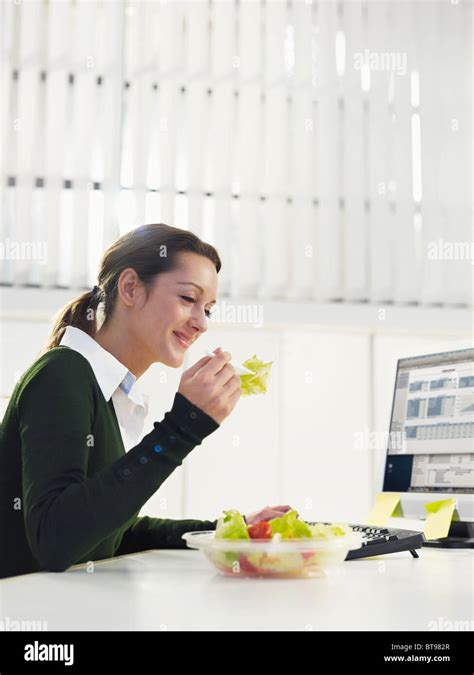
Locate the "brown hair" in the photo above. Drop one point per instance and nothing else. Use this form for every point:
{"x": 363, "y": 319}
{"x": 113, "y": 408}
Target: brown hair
{"x": 150, "y": 250}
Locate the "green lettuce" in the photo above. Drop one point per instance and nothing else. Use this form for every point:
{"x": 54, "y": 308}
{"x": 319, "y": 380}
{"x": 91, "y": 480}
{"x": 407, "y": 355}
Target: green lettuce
{"x": 232, "y": 526}
{"x": 255, "y": 382}
{"x": 289, "y": 526}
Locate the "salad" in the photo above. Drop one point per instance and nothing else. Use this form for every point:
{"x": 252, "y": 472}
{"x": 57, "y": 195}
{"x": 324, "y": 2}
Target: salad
{"x": 281, "y": 546}
{"x": 287, "y": 526}
{"x": 256, "y": 381}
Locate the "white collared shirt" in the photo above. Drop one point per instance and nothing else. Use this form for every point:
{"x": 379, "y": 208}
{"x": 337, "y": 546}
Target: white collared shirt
{"x": 115, "y": 381}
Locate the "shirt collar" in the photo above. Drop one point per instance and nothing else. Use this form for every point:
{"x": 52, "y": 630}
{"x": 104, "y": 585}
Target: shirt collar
{"x": 109, "y": 372}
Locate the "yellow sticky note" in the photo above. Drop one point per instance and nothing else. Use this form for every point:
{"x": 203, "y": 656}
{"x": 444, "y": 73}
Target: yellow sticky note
{"x": 438, "y": 521}
{"x": 386, "y": 505}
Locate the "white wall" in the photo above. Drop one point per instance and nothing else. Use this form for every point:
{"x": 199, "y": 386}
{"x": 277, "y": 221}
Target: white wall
{"x": 298, "y": 443}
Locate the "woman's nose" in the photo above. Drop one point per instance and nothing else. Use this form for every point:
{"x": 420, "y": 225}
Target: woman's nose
{"x": 199, "y": 321}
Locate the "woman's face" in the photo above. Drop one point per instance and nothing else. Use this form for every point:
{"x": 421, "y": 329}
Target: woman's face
{"x": 178, "y": 304}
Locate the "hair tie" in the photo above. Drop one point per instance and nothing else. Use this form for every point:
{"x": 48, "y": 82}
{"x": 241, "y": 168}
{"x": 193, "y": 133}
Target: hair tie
{"x": 94, "y": 299}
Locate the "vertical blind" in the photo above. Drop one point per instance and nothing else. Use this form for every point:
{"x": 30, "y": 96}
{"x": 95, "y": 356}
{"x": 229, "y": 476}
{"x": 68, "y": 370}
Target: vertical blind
{"x": 323, "y": 147}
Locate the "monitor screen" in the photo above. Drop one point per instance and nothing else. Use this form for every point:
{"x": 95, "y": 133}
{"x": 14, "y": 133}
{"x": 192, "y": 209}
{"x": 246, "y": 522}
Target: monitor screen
{"x": 431, "y": 437}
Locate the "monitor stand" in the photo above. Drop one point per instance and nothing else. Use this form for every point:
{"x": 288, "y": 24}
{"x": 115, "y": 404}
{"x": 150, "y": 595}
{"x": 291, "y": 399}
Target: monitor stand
{"x": 460, "y": 535}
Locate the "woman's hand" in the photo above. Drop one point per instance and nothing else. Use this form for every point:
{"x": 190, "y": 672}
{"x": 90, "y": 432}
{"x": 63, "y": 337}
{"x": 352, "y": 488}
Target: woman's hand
{"x": 267, "y": 513}
{"x": 212, "y": 385}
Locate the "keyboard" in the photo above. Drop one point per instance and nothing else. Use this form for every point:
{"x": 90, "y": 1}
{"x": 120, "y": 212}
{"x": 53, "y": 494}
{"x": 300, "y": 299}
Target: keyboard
{"x": 384, "y": 540}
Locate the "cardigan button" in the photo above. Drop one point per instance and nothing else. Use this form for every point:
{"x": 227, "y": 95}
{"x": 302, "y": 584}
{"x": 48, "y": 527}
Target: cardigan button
{"x": 143, "y": 460}
{"x": 173, "y": 439}
{"x": 193, "y": 414}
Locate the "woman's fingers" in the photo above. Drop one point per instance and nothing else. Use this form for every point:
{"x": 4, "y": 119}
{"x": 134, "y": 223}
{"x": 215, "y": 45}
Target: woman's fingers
{"x": 217, "y": 363}
{"x": 263, "y": 514}
{"x": 198, "y": 365}
{"x": 282, "y": 509}
{"x": 268, "y": 513}
{"x": 226, "y": 375}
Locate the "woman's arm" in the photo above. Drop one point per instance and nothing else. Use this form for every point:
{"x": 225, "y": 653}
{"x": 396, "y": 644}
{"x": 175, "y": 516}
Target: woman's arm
{"x": 147, "y": 533}
{"x": 67, "y": 514}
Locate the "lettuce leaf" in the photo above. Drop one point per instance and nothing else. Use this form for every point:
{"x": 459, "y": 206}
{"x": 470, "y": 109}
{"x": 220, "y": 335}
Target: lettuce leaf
{"x": 232, "y": 526}
{"x": 289, "y": 526}
{"x": 255, "y": 382}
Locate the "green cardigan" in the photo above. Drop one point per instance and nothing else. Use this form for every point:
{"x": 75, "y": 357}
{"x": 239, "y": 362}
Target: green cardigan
{"x": 69, "y": 493}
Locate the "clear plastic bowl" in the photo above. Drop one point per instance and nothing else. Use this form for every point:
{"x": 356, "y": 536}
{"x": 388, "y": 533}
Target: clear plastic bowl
{"x": 281, "y": 558}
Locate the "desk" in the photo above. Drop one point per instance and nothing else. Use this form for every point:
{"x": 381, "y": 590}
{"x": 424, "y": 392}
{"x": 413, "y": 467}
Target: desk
{"x": 180, "y": 590}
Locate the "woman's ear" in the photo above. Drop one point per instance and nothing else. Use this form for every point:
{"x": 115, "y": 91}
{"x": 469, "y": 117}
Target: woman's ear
{"x": 129, "y": 287}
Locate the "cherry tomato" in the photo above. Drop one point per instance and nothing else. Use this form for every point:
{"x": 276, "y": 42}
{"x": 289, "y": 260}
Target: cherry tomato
{"x": 262, "y": 530}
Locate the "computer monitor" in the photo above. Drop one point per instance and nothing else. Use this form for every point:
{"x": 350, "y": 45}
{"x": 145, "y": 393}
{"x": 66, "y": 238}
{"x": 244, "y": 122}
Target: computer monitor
{"x": 430, "y": 454}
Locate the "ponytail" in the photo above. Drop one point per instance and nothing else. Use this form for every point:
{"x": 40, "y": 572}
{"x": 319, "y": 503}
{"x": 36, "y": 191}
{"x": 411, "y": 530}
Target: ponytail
{"x": 80, "y": 313}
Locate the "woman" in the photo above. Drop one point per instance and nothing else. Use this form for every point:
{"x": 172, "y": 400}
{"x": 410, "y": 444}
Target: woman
{"x": 69, "y": 491}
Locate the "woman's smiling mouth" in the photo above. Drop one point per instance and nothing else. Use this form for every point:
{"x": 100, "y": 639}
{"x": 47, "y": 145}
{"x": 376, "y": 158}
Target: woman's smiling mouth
{"x": 185, "y": 342}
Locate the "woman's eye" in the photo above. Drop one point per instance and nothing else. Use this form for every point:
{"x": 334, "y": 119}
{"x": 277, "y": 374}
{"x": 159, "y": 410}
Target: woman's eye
{"x": 188, "y": 299}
